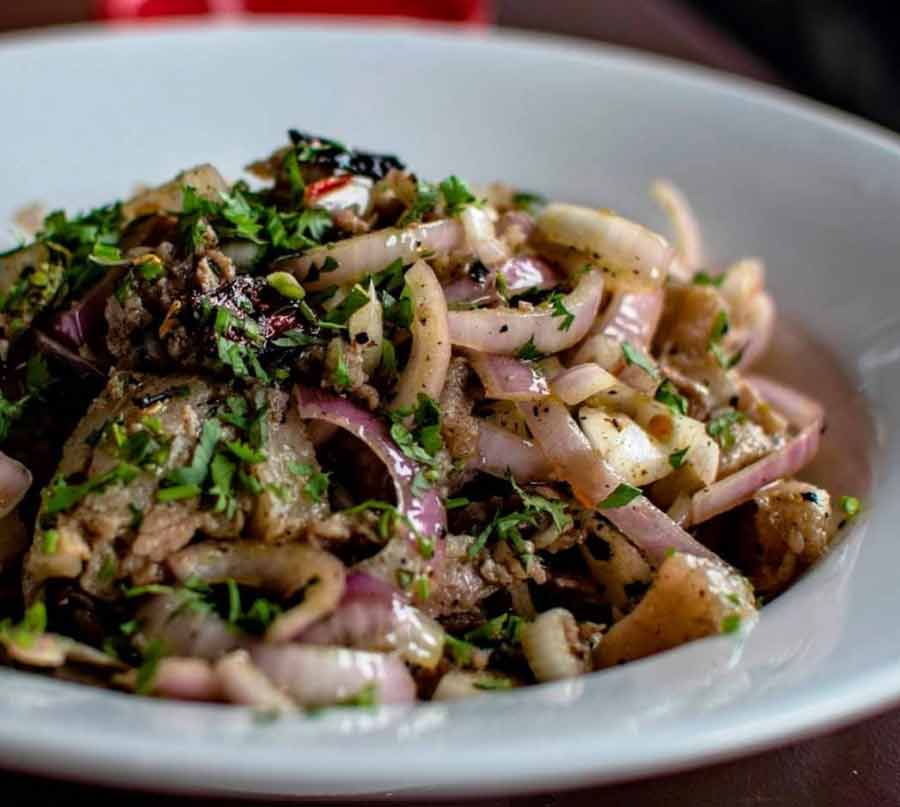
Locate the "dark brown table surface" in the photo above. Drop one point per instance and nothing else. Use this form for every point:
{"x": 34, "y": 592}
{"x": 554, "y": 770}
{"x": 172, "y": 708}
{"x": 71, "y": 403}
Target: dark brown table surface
{"x": 859, "y": 765}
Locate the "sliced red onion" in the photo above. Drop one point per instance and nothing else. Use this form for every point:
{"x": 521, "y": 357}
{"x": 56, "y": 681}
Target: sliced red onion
{"x": 507, "y": 330}
{"x": 240, "y": 681}
{"x": 481, "y": 237}
{"x": 186, "y": 679}
{"x": 509, "y": 379}
{"x": 805, "y": 414}
{"x": 283, "y": 569}
{"x": 632, "y": 316}
{"x": 592, "y": 480}
{"x": 371, "y": 616}
{"x": 325, "y": 676}
{"x": 518, "y": 220}
{"x": 429, "y": 359}
{"x": 624, "y": 248}
{"x": 360, "y": 256}
{"x": 754, "y": 340}
{"x": 85, "y": 321}
{"x": 425, "y": 511}
{"x": 521, "y": 273}
{"x": 501, "y": 452}
{"x": 15, "y": 479}
{"x": 185, "y": 631}
{"x": 684, "y": 223}
{"x": 580, "y": 382}
{"x": 49, "y": 346}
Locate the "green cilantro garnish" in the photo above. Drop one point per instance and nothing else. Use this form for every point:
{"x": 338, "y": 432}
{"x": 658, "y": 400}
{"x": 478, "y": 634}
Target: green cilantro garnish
{"x": 668, "y": 395}
{"x": 50, "y": 542}
{"x": 560, "y": 310}
{"x": 704, "y": 279}
{"x": 460, "y": 651}
{"x": 721, "y": 427}
{"x": 529, "y": 352}
{"x": 676, "y": 458}
{"x": 426, "y": 200}
{"x": 639, "y": 359}
{"x": 454, "y": 504}
{"x": 286, "y": 285}
{"x": 621, "y": 496}
{"x": 494, "y": 682}
{"x": 456, "y": 194}
{"x": 316, "y": 481}
{"x": 539, "y": 504}
{"x": 850, "y": 505}
{"x": 731, "y": 623}
{"x": 366, "y": 698}
{"x": 195, "y": 473}
{"x": 146, "y": 674}
{"x": 719, "y": 329}
{"x": 340, "y": 375}
{"x": 63, "y": 496}
{"x": 524, "y": 200}
{"x": 356, "y": 299}
{"x": 506, "y": 627}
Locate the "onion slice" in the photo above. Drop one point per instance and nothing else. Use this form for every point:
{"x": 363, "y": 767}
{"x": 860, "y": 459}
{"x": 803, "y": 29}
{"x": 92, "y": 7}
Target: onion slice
{"x": 283, "y": 569}
{"x": 361, "y": 256}
{"x": 684, "y": 223}
{"x": 501, "y": 452}
{"x": 426, "y": 511}
{"x": 592, "y": 480}
{"x": 15, "y": 479}
{"x": 805, "y": 414}
{"x": 520, "y": 273}
{"x": 426, "y": 370}
{"x": 580, "y": 382}
{"x": 506, "y": 330}
{"x": 509, "y": 379}
{"x": 481, "y": 237}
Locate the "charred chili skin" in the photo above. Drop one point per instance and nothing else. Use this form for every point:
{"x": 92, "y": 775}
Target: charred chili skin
{"x": 329, "y": 154}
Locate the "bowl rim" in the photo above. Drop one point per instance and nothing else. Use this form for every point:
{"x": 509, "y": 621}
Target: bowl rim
{"x": 87, "y": 753}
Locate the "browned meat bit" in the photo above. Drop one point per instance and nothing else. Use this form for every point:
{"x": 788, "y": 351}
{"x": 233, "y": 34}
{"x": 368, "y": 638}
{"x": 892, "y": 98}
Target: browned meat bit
{"x": 690, "y": 598}
{"x": 689, "y": 316}
{"x": 459, "y": 428}
{"x": 503, "y": 566}
{"x": 158, "y": 460}
{"x": 617, "y": 566}
{"x": 791, "y": 530}
{"x": 345, "y": 371}
{"x": 458, "y": 587}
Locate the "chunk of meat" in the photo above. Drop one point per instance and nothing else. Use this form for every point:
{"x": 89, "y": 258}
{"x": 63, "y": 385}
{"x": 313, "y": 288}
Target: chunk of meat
{"x": 690, "y": 598}
{"x": 746, "y": 443}
{"x": 689, "y": 314}
{"x": 617, "y": 565}
{"x": 792, "y": 528}
{"x": 459, "y": 428}
{"x": 457, "y": 587}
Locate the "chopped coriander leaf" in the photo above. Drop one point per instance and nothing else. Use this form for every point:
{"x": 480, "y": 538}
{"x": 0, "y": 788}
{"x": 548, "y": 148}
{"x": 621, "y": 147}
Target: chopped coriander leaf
{"x": 850, "y": 505}
{"x": 146, "y": 674}
{"x": 221, "y": 471}
{"x": 528, "y": 351}
{"x": 460, "y": 651}
{"x": 62, "y": 496}
{"x": 721, "y": 427}
{"x": 50, "y": 542}
{"x": 506, "y": 627}
{"x": 527, "y": 201}
{"x": 177, "y": 493}
{"x": 37, "y": 374}
{"x": 676, "y": 458}
{"x": 456, "y": 194}
{"x": 704, "y": 279}
{"x": 388, "y": 361}
{"x": 668, "y": 395}
{"x": 195, "y": 473}
{"x": 10, "y": 412}
{"x": 404, "y": 578}
{"x": 294, "y": 338}
{"x": 422, "y": 588}
{"x": 245, "y": 453}
{"x": 356, "y": 299}
{"x": 108, "y": 569}
{"x": 456, "y": 503}
{"x": 150, "y": 588}
{"x": 731, "y": 623}
{"x": 317, "y": 482}
{"x": 719, "y": 328}
{"x": 639, "y": 359}
{"x": 539, "y": 504}
{"x": 494, "y": 682}
{"x": 366, "y": 698}
{"x": 234, "y": 601}
{"x": 295, "y": 179}
{"x": 398, "y": 310}
{"x": 426, "y": 200}
{"x": 340, "y": 375}
{"x": 621, "y": 496}
{"x": 560, "y": 310}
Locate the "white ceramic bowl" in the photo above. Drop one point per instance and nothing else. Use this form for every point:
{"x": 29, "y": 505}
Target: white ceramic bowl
{"x": 86, "y": 114}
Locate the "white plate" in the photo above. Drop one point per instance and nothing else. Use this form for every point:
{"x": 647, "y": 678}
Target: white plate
{"x": 86, "y": 114}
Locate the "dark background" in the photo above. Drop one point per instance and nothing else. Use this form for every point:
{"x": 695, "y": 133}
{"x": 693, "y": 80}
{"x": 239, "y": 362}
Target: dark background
{"x": 837, "y": 51}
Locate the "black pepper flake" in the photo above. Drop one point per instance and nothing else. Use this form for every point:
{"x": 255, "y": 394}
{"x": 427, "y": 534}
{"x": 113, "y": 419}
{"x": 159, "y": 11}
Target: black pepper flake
{"x": 809, "y": 496}
{"x": 535, "y": 410}
{"x": 478, "y": 272}
{"x": 504, "y": 328}
{"x": 362, "y": 338}
{"x": 733, "y": 401}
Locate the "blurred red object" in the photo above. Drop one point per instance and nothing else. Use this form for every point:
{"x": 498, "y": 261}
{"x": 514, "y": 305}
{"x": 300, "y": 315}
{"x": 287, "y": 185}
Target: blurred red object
{"x": 468, "y": 11}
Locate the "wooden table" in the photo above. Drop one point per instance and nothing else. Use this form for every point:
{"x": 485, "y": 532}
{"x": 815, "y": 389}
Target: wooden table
{"x": 859, "y": 765}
